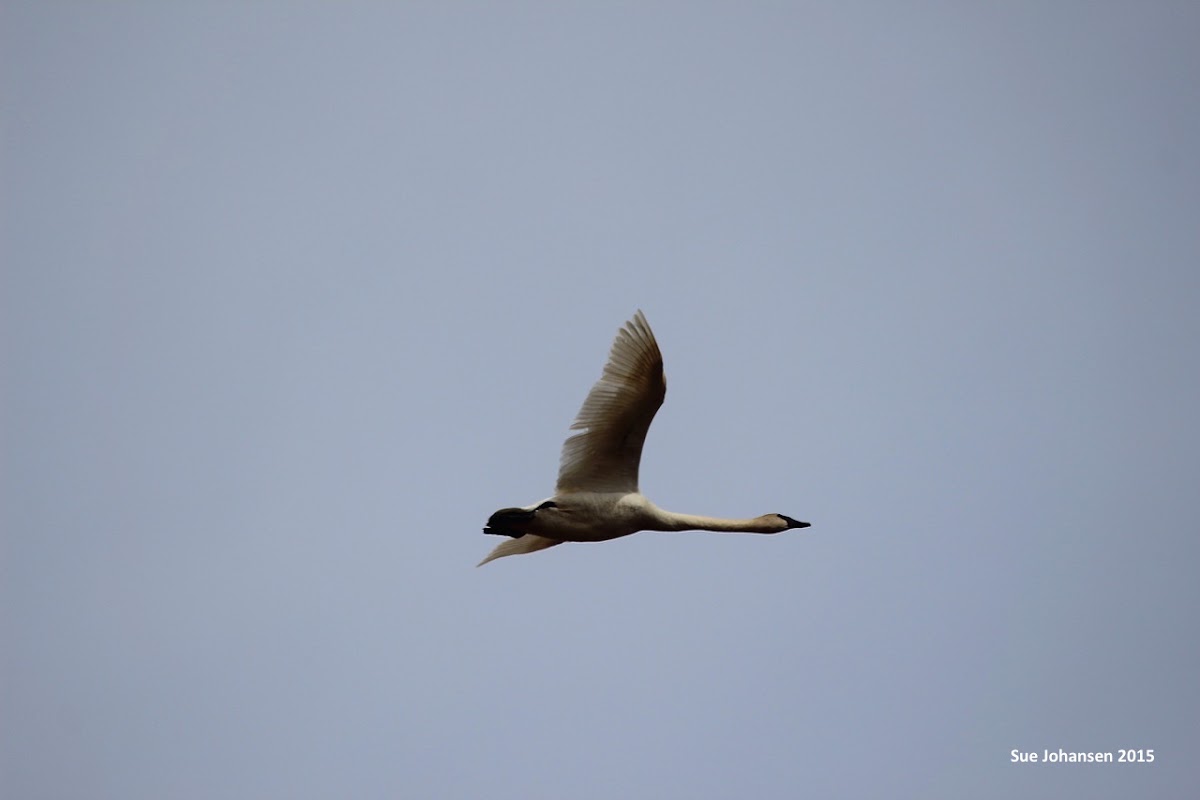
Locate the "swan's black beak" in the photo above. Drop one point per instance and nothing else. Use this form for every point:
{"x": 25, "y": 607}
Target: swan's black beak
{"x": 792, "y": 523}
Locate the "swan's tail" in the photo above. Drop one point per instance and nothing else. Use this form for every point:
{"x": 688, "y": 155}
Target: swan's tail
{"x": 525, "y": 544}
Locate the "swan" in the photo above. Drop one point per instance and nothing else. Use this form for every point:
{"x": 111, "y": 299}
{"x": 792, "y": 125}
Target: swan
{"x": 597, "y": 495}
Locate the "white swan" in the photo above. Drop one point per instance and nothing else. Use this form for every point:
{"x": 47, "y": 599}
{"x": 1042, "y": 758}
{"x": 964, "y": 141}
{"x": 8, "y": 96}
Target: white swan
{"x": 597, "y": 496}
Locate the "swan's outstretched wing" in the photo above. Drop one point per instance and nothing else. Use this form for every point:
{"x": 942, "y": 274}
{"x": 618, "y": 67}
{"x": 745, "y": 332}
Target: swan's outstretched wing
{"x": 522, "y": 544}
{"x": 615, "y": 416}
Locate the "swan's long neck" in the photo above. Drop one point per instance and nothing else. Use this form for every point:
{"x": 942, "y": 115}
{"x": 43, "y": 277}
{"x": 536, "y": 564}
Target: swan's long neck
{"x": 670, "y": 521}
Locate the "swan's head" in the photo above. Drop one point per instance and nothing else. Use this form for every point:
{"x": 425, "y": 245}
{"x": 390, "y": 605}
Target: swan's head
{"x": 792, "y": 523}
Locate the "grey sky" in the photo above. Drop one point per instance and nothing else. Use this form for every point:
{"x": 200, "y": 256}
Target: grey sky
{"x": 295, "y": 295}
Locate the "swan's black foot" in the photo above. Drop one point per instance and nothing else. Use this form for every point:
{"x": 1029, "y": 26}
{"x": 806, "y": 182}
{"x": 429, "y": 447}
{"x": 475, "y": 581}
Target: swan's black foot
{"x": 503, "y": 532}
{"x": 514, "y": 522}
{"x": 509, "y": 522}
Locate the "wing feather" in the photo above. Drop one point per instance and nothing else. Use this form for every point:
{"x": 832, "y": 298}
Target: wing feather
{"x": 616, "y": 415}
{"x": 524, "y": 544}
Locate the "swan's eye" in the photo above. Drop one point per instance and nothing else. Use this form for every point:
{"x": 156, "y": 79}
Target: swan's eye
{"x": 547, "y": 504}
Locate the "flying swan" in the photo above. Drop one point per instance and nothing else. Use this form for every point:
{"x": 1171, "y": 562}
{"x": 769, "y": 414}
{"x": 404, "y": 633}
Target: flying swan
{"x": 597, "y": 495}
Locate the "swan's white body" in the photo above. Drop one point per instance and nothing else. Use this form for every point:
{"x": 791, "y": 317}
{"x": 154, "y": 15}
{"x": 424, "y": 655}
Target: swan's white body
{"x": 597, "y": 495}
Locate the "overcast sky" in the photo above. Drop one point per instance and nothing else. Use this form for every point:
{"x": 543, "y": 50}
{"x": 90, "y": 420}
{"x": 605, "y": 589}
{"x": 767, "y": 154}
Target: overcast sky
{"x": 294, "y": 295}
